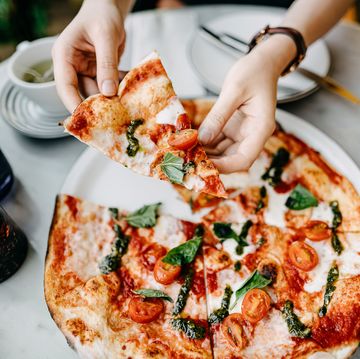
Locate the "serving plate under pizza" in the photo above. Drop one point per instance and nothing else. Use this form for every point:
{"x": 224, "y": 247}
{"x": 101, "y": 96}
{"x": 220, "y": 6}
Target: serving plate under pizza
{"x": 98, "y": 179}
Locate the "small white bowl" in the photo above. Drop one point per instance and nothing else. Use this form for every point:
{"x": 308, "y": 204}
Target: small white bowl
{"x": 43, "y": 94}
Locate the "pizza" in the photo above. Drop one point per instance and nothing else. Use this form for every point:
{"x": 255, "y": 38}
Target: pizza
{"x": 270, "y": 271}
{"x": 146, "y": 128}
{"x": 110, "y": 292}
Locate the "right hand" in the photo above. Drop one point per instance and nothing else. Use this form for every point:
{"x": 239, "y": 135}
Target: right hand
{"x": 90, "y": 47}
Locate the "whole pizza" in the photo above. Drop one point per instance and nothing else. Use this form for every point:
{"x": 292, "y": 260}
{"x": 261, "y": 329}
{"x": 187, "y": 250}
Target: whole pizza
{"x": 272, "y": 269}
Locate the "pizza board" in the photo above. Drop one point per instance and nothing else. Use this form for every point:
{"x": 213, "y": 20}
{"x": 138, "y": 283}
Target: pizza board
{"x": 96, "y": 178}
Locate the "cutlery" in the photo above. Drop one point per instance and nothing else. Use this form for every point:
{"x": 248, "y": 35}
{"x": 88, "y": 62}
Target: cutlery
{"x": 230, "y": 43}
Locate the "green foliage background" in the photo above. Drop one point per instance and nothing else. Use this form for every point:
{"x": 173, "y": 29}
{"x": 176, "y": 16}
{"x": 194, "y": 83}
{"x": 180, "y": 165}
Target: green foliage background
{"x": 22, "y": 19}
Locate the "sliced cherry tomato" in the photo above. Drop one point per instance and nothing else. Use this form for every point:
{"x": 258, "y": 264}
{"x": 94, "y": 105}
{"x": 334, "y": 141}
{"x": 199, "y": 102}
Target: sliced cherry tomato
{"x": 145, "y": 310}
{"x": 165, "y": 273}
{"x": 184, "y": 139}
{"x": 255, "y": 305}
{"x": 233, "y": 330}
{"x": 183, "y": 122}
{"x": 152, "y": 254}
{"x": 317, "y": 230}
{"x": 303, "y": 256}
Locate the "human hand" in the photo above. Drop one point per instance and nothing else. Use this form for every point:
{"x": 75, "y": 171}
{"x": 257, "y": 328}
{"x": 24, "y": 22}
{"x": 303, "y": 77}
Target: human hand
{"x": 243, "y": 117}
{"x": 91, "y": 45}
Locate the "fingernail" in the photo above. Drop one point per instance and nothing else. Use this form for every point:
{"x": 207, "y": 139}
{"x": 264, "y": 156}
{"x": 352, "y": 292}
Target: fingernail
{"x": 108, "y": 88}
{"x": 205, "y": 135}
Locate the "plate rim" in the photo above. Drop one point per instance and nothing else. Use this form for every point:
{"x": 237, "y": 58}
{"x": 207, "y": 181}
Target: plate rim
{"x": 308, "y": 132}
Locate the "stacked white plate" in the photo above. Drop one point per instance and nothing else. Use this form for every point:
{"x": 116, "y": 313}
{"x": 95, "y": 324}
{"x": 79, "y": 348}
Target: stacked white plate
{"x": 27, "y": 117}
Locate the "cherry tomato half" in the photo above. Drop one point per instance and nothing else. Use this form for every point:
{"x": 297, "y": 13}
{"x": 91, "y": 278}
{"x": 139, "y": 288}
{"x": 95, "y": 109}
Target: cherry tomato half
{"x": 145, "y": 310}
{"x": 152, "y": 254}
{"x": 165, "y": 273}
{"x": 184, "y": 139}
{"x": 233, "y": 331}
{"x": 255, "y": 305}
{"x": 303, "y": 256}
{"x": 317, "y": 230}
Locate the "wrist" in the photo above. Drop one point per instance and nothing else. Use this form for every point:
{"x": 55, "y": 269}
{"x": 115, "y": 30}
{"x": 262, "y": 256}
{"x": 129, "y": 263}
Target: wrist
{"x": 278, "y": 50}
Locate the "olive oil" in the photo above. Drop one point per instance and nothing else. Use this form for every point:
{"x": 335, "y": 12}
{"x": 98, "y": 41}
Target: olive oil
{"x": 40, "y": 72}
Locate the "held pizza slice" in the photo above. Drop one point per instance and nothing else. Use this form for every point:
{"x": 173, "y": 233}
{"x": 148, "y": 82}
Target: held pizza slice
{"x": 123, "y": 285}
{"x": 145, "y": 128}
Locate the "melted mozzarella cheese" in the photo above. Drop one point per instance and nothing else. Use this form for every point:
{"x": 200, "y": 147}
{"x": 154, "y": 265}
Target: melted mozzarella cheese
{"x": 169, "y": 114}
{"x": 194, "y": 182}
{"x": 141, "y": 162}
{"x": 348, "y": 262}
{"x": 321, "y": 355}
{"x": 250, "y": 178}
{"x": 262, "y": 346}
{"x": 169, "y": 232}
{"x": 236, "y": 213}
{"x": 322, "y": 212}
{"x": 276, "y": 209}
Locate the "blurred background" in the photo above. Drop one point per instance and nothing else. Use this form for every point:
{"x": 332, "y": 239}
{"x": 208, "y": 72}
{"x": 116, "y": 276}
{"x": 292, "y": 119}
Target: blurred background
{"x": 30, "y": 19}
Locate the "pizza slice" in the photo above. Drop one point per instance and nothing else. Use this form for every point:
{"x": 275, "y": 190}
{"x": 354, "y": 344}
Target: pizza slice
{"x": 145, "y": 128}
{"x": 123, "y": 285}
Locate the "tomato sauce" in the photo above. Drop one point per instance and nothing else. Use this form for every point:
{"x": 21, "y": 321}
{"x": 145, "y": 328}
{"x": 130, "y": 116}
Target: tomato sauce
{"x": 211, "y": 279}
{"x": 127, "y": 282}
{"x": 198, "y": 286}
{"x": 71, "y": 202}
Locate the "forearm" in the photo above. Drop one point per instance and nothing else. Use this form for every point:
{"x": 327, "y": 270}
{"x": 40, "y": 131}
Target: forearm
{"x": 314, "y": 18}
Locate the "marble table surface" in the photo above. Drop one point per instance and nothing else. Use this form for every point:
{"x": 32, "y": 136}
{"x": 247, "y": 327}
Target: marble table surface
{"x": 40, "y": 166}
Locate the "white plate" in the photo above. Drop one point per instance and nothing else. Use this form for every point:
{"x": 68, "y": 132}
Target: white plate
{"x": 211, "y": 63}
{"x": 97, "y": 178}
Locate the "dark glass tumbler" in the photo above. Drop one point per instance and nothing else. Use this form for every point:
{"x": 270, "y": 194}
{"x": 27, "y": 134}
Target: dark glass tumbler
{"x": 6, "y": 176}
{"x": 13, "y": 246}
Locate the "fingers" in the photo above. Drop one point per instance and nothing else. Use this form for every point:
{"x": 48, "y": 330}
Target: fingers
{"x": 66, "y": 80}
{"x": 241, "y": 155}
{"x": 220, "y": 147}
{"x": 218, "y": 116}
{"x": 107, "y": 59}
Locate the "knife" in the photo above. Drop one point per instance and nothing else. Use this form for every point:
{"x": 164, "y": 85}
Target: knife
{"x": 229, "y": 42}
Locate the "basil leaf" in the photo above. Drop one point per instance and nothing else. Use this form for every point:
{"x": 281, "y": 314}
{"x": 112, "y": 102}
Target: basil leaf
{"x": 220, "y": 314}
{"x": 144, "y": 217}
{"x": 184, "y": 253}
{"x": 274, "y": 172}
{"x": 172, "y": 167}
{"x": 189, "y": 328}
{"x": 224, "y": 231}
{"x": 114, "y": 212}
{"x": 295, "y": 326}
{"x": 337, "y": 219}
{"x": 112, "y": 261}
{"x": 256, "y": 280}
{"x": 335, "y": 243}
{"x": 153, "y": 293}
{"x": 301, "y": 198}
{"x": 332, "y": 277}
{"x": 133, "y": 146}
{"x": 261, "y": 203}
{"x": 184, "y": 293}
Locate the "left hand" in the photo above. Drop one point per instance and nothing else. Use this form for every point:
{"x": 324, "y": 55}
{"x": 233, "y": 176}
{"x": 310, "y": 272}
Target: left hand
{"x": 243, "y": 117}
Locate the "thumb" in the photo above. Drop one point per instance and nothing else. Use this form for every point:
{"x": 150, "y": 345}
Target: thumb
{"x": 218, "y": 116}
{"x": 107, "y": 61}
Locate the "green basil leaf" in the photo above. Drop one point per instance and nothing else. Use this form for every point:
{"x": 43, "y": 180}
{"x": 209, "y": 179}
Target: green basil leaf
{"x": 256, "y": 280}
{"x": 144, "y": 217}
{"x": 337, "y": 219}
{"x": 134, "y": 145}
{"x": 295, "y": 326}
{"x": 224, "y": 230}
{"x": 218, "y": 315}
{"x": 332, "y": 277}
{"x": 184, "y": 253}
{"x": 189, "y": 328}
{"x": 301, "y": 198}
{"x": 184, "y": 292}
{"x": 274, "y": 172}
{"x": 336, "y": 243}
{"x": 172, "y": 167}
{"x": 153, "y": 293}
